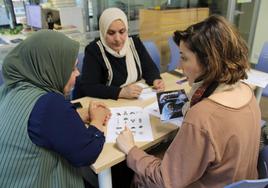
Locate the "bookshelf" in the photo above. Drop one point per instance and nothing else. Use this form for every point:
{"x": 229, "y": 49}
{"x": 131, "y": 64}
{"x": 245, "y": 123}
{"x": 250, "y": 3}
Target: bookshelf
{"x": 159, "y": 25}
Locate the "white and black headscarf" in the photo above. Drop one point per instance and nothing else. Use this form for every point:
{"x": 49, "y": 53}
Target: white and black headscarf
{"x": 107, "y": 17}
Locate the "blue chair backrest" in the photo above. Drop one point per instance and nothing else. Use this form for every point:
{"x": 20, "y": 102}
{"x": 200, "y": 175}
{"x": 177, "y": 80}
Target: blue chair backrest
{"x": 1, "y": 76}
{"x": 263, "y": 163}
{"x": 153, "y": 52}
{"x": 262, "y": 64}
{"x": 73, "y": 94}
{"x": 80, "y": 61}
{"x": 260, "y": 183}
{"x": 174, "y": 54}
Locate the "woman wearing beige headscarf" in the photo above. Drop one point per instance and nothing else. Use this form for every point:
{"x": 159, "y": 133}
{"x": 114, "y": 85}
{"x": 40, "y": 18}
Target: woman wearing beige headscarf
{"x": 115, "y": 62}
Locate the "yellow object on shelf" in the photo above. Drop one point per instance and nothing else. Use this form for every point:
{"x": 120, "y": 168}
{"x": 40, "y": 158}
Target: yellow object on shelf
{"x": 157, "y": 8}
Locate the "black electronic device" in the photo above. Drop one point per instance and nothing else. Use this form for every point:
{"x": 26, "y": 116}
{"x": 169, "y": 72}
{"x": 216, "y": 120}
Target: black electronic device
{"x": 77, "y": 105}
{"x": 18, "y": 40}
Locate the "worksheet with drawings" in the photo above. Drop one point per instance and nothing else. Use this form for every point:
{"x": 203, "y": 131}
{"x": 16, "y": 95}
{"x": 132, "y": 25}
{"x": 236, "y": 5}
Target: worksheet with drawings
{"x": 135, "y": 118}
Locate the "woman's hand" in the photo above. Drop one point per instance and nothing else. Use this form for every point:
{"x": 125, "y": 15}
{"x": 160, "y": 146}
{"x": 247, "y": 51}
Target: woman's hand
{"x": 99, "y": 114}
{"x": 125, "y": 140}
{"x": 159, "y": 85}
{"x": 83, "y": 113}
{"x": 130, "y": 91}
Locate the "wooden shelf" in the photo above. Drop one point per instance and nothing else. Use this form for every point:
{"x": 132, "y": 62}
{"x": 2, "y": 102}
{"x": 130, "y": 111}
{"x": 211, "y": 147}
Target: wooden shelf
{"x": 159, "y": 25}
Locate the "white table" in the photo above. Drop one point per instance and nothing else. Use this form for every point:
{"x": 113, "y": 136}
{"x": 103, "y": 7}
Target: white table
{"x": 258, "y": 79}
{"x": 110, "y": 155}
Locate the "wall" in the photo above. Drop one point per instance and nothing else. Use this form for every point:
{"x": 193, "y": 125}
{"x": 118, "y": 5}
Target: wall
{"x": 261, "y": 32}
{"x": 245, "y": 19}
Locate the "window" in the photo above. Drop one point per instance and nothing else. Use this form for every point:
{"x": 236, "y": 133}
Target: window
{"x": 19, "y": 10}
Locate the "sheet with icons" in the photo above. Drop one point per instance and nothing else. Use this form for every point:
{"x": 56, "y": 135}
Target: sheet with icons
{"x": 135, "y": 118}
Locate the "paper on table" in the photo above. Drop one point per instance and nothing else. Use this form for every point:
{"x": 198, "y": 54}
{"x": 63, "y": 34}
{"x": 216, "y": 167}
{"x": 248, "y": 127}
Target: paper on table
{"x": 154, "y": 110}
{"x": 262, "y": 123}
{"x": 135, "y": 118}
{"x": 147, "y": 91}
{"x": 257, "y": 78}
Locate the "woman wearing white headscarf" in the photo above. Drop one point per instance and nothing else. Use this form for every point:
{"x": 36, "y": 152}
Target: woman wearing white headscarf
{"x": 115, "y": 62}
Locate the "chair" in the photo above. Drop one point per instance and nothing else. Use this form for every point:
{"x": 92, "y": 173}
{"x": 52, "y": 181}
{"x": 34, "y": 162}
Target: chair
{"x": 263, "y": 163}
{"x": 260, "y": 183}
{"x": 74, "y": 92}
{"x": 80, "y": 61}
{"x": 262, "y": 171}
{"x": 153, "y": 52}
{"x": 262, "y": 65}
{"x": 174, "y": 55}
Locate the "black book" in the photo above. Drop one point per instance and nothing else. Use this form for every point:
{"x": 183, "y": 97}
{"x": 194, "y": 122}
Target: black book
{"x": 170, "y": 104}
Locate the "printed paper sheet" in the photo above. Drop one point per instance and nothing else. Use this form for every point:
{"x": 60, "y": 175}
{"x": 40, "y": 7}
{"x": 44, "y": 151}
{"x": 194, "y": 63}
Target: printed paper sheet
{"x": 135, "y": 118}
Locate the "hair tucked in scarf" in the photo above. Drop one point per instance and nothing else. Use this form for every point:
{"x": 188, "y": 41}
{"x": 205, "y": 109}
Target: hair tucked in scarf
{"x": 45, "y": 60}
{"x": 107, "y": 17}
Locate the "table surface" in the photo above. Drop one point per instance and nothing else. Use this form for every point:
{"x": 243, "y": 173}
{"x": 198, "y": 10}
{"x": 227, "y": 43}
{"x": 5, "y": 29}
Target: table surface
{"x": 111, "y": 155}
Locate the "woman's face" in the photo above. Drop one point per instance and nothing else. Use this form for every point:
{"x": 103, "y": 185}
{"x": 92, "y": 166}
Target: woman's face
{"x": 189, "y": 63}
{"x": 70, "y": 84}
{"x": 116, "y": 35}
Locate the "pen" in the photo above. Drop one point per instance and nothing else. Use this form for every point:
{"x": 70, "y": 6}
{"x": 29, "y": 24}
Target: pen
{"x": 181, "y": 81}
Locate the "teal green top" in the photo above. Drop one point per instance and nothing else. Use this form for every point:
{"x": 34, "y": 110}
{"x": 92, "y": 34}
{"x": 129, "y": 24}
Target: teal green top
{"x": 42, "y": 63}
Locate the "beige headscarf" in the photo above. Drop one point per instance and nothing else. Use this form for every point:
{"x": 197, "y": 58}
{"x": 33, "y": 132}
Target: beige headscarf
{"x": 107, "y": 17}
